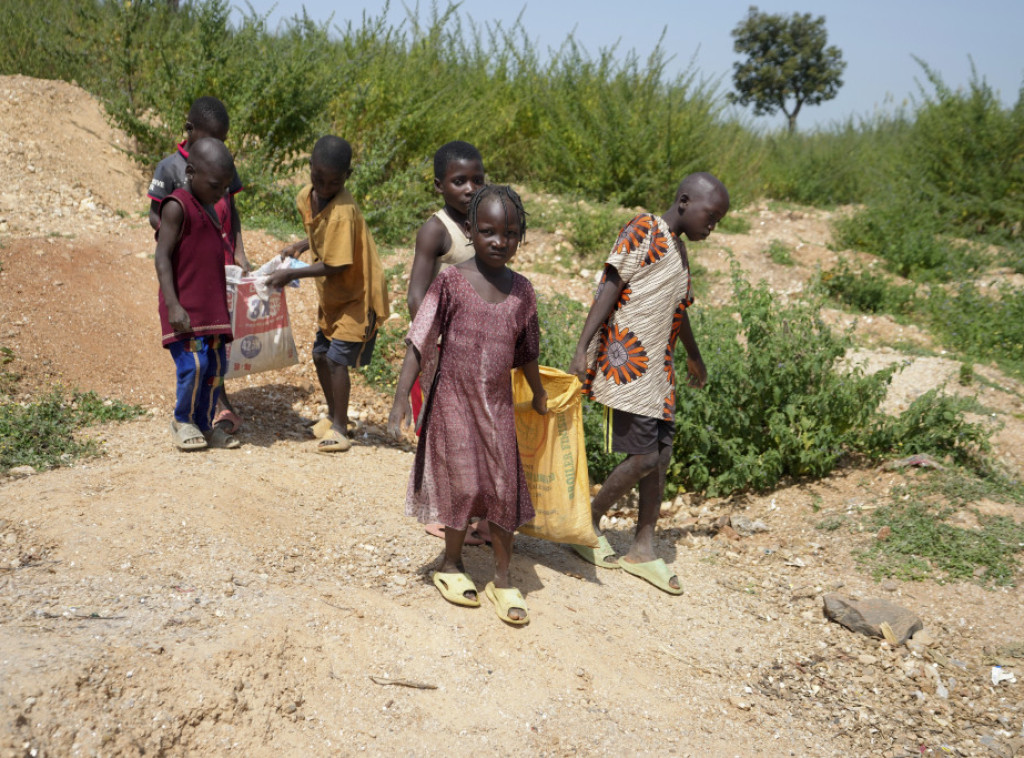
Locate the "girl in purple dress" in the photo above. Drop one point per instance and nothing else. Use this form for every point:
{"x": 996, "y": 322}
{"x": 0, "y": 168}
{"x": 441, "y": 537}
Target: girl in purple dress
{"x": 467, "y": 461}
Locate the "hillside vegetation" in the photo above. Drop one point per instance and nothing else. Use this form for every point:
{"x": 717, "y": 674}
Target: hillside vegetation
{"x": 936, "y": 191}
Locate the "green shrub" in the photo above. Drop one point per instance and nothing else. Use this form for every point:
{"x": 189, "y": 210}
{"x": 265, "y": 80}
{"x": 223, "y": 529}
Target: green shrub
{"x": 779, "y": 252}
{"x": 904, "y": 234}
{"x": 959, "y": 174}
{"x": 935, "y": 424}
{"x": 982, "y": 327}
{"x": 831, "y": 166}
{"x": 866, "y": 290}
{"x": 776, "y": 404}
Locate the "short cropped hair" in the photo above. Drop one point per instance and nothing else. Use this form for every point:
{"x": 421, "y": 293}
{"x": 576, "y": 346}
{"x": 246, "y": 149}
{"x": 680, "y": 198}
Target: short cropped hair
{"x": 454, "y": 151}
{"x": 701, "y": 183}
{"x": 209, "y": 115}
{"x": 505, "y": 195}
{"x": 212, "y": 152}
{"x": 332, "y": 152}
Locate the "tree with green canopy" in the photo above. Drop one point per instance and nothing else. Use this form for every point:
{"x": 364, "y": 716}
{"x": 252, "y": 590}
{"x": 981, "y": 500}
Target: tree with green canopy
{"x": 788, "y": 63}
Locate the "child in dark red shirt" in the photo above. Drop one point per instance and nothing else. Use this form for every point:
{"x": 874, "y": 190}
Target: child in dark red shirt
{"x": 194, "y": 316}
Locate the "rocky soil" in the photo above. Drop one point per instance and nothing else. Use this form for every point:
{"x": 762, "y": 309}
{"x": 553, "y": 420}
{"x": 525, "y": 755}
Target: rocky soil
{"x": 270, "y": 601}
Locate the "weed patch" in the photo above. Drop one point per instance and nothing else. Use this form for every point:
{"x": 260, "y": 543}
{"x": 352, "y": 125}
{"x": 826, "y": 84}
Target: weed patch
{"x": 921, "y": 545}
{"x": 41, "y": 433}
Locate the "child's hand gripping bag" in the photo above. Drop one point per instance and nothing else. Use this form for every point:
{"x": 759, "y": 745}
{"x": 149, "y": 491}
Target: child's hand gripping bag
{"x": 554, "y": 458}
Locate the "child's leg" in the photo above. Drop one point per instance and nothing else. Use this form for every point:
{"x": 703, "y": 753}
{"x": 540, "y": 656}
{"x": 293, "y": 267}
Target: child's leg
{"x": 501, "y": 543}
{"x": 190, "y": 364}
{"x": 451, "y": 558}
{"x": 341, "y": 388}
{"x": 652, "y": 486}
{"x": 323, "y": 375}
{"x": 214, "y": 363}
{"x": 623, "y": 478}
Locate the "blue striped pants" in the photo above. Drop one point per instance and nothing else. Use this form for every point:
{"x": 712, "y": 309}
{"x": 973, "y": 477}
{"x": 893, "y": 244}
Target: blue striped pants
{"x": 201, "y": 363}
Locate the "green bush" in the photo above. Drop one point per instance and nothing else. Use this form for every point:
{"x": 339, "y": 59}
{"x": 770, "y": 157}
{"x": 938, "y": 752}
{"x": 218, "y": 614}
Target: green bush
{"x": 934, "y": 424}
{"x": 959, "y": 175}
{"x": 866, "y": 290}
{"x": 776, "y": 404}
{"x": 982, "y": 327}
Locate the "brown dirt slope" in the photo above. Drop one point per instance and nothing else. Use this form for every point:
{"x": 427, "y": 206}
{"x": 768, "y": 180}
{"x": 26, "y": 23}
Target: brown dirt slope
{"x": 270, "y": 601}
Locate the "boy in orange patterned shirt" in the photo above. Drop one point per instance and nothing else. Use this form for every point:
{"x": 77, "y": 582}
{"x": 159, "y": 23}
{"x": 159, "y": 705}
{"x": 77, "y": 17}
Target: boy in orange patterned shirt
{"x": 625, "y": 359}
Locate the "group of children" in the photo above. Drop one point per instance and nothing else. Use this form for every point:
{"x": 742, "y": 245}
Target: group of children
{"x": 473, "y": 321}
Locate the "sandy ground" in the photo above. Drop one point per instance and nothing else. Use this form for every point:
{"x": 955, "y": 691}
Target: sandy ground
{"x": 270, "y": 601}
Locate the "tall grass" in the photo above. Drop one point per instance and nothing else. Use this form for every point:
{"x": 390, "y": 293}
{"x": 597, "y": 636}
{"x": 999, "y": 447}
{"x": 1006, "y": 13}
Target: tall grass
{"x": 959, "y": 174}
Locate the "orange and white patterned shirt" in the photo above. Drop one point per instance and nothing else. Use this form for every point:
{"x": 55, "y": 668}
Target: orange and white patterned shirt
{"x": 630, "y": 361}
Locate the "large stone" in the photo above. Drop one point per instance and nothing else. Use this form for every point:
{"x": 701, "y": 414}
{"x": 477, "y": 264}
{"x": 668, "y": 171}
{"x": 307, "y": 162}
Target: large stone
{"x": 867, "y": 616}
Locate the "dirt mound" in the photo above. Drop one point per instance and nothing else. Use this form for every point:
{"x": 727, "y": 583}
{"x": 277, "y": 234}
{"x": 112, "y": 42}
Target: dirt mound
{"x": 65, "y": 167}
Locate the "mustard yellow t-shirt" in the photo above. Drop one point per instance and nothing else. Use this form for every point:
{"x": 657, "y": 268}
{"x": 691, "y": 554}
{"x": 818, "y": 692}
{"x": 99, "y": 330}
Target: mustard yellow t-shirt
{"x": 354, "y": 301}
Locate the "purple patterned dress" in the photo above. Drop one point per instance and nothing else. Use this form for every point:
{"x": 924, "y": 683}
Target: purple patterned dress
{"x": 467, "y": 461}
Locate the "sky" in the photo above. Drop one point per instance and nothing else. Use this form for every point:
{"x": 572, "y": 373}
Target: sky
{"x": 879, "y": 39}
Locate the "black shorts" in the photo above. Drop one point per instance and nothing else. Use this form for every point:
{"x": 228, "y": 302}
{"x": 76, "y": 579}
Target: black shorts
{"x": 353, "y": 354}
{"x": 636, "y": 435}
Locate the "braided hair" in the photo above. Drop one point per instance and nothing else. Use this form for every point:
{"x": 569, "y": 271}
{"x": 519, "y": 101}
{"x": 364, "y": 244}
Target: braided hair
{"x": 508, "y": 198}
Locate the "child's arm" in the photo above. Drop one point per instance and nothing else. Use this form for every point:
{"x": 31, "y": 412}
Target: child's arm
{"x": 430, "y": 241}
{"x": 295, "y": 249}
{"x": 236, "y": 224}
{"x": 540, "y": 395}
{"x": 694, "y": 363}
{"x": 599, "y": 313}
{"x": 171, "y": 217}
{"x": 154, "y": 214}
{"x": 401, "y": 410}
{"x": 282, "y": 276}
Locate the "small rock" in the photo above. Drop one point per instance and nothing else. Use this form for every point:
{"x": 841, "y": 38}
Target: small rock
{"x": 922, "y": 638}
{"x": 801, "y": 593}
{"x": 401, "y": 581}
{"x": 728, "y": 533}
{"x": 867, "y": 616}
{"x": 890, "y": 586}
{"x": 10, "y": 539}
{"x": 743, "y": 705}
{"x": 867, "y": 660}
{"x": 20, "y": 471}
{"x": 748, "y": 527}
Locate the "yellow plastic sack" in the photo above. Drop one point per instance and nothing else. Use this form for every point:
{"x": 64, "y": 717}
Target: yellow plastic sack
{"x": 554, "y": 457}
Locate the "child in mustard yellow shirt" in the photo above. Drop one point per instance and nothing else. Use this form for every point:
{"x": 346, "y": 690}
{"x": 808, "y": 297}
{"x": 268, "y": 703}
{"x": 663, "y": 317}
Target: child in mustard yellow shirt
{"x": 350, "y": 281}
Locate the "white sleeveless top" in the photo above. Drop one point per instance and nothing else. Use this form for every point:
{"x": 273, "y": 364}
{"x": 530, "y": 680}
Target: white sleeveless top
{"x": 461, "y": 249}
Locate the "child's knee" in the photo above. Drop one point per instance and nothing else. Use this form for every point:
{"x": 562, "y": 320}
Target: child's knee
{"x": 647, "y": 462}
{"x": 320, "y": 360}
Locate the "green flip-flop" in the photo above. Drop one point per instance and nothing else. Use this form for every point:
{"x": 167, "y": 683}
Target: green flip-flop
{"x": 656, "y": 572}
{"x": 597, "y": 555}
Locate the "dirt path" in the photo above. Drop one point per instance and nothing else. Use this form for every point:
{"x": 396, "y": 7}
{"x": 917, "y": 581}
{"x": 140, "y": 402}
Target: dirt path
{"x": 270, "y": 601}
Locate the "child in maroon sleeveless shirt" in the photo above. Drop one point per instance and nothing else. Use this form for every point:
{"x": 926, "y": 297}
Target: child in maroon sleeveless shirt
{"x": 194, "y": 317}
